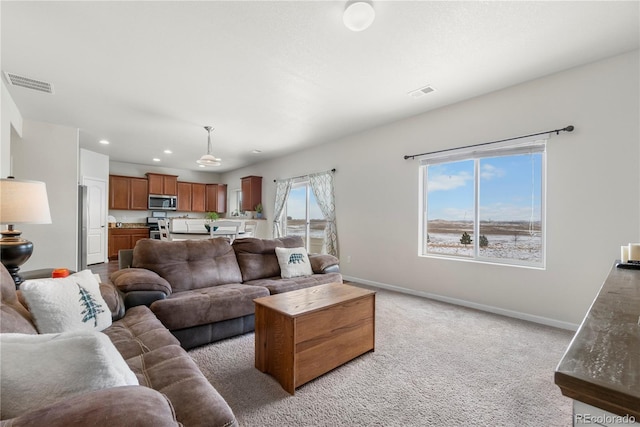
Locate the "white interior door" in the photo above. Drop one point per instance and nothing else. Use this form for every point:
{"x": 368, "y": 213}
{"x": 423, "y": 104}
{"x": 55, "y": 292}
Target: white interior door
{"x": 96, "y": 220}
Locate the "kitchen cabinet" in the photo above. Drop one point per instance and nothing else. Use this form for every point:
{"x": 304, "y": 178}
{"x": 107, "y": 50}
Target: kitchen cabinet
{"x": 251, "y": 187}
{"x": 191, "y": 197}
{"x": 166, "y": 185}
{"x": 139, "y": 199}
{"x": 184, "y": 196}
{"x": 124, "y": 238}
{"x": 216, "y": 198}
{"x": 127, "y": 193}
{"x": 198, "y": 197}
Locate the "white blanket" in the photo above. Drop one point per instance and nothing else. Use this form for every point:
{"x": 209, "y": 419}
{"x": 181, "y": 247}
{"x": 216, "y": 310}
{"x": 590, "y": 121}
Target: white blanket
{"x": 39, "y": 370}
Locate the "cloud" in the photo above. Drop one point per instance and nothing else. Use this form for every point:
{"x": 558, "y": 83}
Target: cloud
{"x": 489, "y": 171}
{"x": 448, "y": 182}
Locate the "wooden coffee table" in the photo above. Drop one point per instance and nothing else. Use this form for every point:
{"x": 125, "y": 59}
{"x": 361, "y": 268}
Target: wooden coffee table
{"x": 303, "y": 334}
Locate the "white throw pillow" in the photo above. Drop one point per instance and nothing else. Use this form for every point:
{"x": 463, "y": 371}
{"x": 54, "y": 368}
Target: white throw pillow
{"x": 294, "y": 262}
{"x": 67, "y": 304}
{"x": 40, "y": 370}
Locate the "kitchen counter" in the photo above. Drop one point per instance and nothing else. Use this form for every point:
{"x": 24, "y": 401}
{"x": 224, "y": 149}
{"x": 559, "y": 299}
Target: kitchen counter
{"x": 601, "y": 367}
{"x": 132, "y": 225}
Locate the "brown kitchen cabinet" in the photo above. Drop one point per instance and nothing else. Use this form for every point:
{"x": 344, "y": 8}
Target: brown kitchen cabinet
{"x": 198, "y": 197}
{"x": 191, "y": 197}
{"x": 216, "y": 198}
{"x": 251, "y": 192}
{"x": 128, "y": 193}
{"x": 124, "y": 238}
{"x": 184, "y": 196}
{"x": 166, "y": 185}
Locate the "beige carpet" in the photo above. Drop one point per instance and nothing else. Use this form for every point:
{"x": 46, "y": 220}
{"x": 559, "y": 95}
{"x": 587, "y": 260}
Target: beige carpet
{"x": 435, "y": 364}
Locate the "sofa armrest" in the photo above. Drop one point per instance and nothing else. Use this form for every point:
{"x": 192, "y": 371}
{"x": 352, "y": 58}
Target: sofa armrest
{"x": 140, "y": 279}
{"x": 324, "y": 263}
{"x": 118, "y": 406}
{"x": 114, "y": 299}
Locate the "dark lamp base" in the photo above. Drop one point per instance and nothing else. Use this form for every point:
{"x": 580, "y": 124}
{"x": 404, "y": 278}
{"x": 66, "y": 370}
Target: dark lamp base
{"x": 14, "y": 251}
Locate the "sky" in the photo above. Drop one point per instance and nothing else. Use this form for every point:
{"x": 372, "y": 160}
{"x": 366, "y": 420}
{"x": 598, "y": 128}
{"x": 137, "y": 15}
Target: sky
{"x": 296, "y": 204}
{"x": 507, "y": 185}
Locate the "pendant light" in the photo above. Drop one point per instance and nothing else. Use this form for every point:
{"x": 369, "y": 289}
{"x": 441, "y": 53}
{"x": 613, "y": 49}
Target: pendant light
{"x": 208, "y": 159}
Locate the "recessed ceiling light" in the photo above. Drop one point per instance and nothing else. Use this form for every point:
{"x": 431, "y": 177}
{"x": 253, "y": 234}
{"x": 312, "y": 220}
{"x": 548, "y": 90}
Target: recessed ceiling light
{"x": 168, "y": 152}
{"x": 256, "y": 151}
{"x": 201, "y": 166}
{"x": 358, "y": 15}
{"x": 155, "y": 159}
{"x": 104, "y": 141}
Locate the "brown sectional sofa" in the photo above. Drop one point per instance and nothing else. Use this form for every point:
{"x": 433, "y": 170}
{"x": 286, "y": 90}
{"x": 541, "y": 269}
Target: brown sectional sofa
{"x": 172, "y": 390}
{"x": 203, "y": 290}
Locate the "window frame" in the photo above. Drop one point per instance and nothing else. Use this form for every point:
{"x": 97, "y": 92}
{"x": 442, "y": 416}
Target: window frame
{"x": 530, "y": 146}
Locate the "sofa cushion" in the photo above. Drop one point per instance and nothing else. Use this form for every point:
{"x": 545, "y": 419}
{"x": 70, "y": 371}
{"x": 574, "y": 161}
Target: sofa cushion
{"x": 172, "y": 372}
{"x": 189, "y": 264}
{"x": 293, "y": 262}
{"x": 277, "y": 285}
{"x": 14, "y": 317}
{"x": 138, "y": 332}
{"x": 257, "y": 257}
{"x": 118, "y": 406}
{"x": 39, "y": 370}
{"x": 67, "y": 304}
{"x": 207, "y": 305}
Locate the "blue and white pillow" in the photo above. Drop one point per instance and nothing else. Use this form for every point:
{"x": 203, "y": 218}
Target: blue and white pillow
{"x": 294, "y": 262}
{"x": 72, "y": 303}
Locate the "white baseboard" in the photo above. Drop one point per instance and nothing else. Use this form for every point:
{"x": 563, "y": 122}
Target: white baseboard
{"x": 491, "y": 309}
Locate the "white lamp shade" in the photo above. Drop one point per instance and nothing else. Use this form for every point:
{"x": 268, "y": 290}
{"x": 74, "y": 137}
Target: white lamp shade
{"x": 359, "y": 16}
{"x": 23, "y": 202}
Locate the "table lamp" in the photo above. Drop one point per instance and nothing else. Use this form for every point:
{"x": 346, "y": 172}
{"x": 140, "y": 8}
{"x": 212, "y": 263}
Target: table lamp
{"x": 21, "y": 202}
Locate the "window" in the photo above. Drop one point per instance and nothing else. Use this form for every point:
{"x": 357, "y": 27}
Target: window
{"x": 304, "y": 217}
{"x": 485, "y": 205}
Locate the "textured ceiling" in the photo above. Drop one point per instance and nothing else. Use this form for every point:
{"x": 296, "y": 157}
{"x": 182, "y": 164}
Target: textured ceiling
{"x": 281, "y": 76}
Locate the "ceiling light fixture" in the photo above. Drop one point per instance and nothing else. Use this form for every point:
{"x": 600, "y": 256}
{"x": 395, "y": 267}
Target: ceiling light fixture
{"x": 168, "y": 152}
{"x": 155, "y": 159}
{"x": 358, "y": 15}
{"x": 208, "y": 159}
{"x": 104, "y": 142}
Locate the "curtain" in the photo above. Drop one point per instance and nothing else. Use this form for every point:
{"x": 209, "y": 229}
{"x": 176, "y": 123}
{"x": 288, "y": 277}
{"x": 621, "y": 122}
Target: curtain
{"x": 322, "y": 186}
{"x": 282, "y": 193}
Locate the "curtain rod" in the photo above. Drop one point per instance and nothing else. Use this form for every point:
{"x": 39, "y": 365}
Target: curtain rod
{"x": 303, "y": 176}
{"x": 569, "y": 128}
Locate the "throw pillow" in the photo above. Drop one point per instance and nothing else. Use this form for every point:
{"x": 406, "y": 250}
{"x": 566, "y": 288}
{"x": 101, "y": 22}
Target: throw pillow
{"x": 40, "y": 370}
{"x": 67, "y": 304}
{"x": 294, "y": 262}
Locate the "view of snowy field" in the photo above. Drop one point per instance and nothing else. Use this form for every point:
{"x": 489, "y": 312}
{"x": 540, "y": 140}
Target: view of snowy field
{"x": 516, "y": 240}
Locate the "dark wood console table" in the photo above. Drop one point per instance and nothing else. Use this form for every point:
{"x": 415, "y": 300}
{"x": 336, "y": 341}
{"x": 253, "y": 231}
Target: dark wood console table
{"x": 601, "y": 367}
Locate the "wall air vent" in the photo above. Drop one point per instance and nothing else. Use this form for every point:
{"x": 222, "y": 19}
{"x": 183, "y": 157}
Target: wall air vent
{"x": 26, "y": 82}
{"x": 421, "y": 92}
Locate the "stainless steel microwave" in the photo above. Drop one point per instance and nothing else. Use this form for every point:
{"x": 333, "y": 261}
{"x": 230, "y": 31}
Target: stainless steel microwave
{"x": 160, "y": 202}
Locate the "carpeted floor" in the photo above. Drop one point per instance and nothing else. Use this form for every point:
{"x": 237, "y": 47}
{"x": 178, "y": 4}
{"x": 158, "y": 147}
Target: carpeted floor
{"x": 434, "y": 364}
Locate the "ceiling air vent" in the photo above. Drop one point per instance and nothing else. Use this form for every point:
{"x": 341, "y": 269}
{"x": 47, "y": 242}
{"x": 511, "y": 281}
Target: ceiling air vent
{"x": 26, "y": 82}
{"x": 421, "y": 92}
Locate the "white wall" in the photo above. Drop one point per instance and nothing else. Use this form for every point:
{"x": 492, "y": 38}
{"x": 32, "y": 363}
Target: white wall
{"x": 133, "y": 169}
{"x": 10, "y": 126}
{"x": 50, "y": 153}
{"x": 593, "y": 194}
